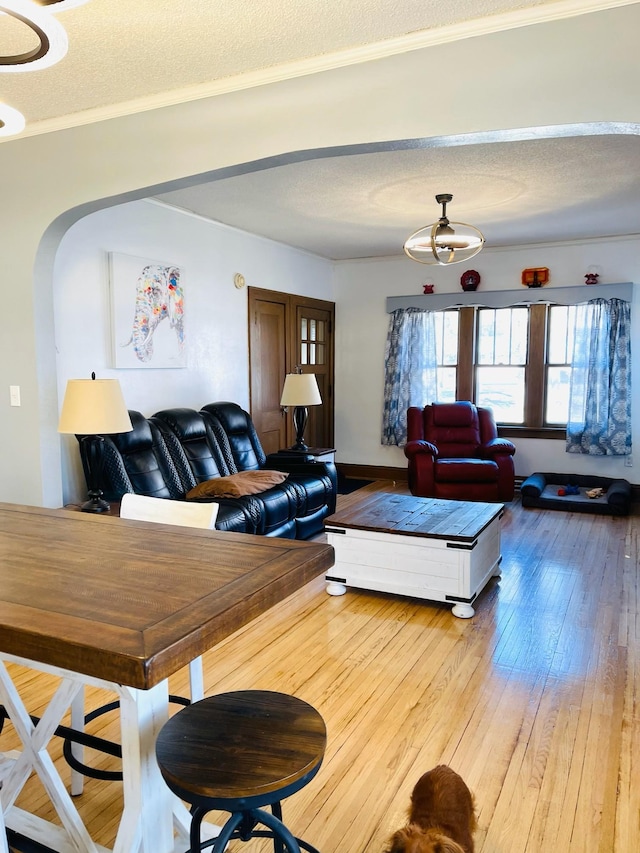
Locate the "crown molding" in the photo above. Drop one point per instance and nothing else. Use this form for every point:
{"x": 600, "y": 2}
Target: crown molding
{"x": 366, "y": 53}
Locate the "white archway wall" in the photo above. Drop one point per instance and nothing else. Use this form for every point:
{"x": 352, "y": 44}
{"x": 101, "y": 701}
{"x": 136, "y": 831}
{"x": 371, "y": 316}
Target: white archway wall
{"x": 494, "y": 83}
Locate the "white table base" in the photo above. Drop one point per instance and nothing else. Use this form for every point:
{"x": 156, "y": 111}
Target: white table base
{"x": 419, "y": 566}
{"x": 151, "y": 813}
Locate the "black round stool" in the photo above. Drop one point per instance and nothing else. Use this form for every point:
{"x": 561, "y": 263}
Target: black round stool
{"x": 238, "y": 752}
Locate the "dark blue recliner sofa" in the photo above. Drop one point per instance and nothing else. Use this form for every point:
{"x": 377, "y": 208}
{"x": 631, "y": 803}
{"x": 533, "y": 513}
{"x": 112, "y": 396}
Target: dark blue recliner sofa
{"x": 173, "y": 451}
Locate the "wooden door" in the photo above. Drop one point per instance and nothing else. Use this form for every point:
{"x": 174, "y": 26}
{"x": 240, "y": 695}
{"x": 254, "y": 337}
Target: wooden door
{"x": 267, "y": 357}
{"x": 287, "y": 332}
{"x": 313, "y": 353}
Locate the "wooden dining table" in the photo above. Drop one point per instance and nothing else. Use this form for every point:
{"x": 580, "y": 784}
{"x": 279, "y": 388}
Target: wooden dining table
{"x": 122, "y": 605}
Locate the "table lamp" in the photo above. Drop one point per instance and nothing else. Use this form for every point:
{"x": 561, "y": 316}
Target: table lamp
{"x": 92, "y": 408}
{"x": 300, "y": 390}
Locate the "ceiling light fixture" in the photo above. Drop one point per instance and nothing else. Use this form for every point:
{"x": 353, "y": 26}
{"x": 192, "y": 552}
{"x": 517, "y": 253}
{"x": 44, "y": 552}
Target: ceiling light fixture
{"x": 11, "y": 121}
{"x": 52, "y": 37}
{"x": 60, "y": 5}
{"x": 441, "y": 243}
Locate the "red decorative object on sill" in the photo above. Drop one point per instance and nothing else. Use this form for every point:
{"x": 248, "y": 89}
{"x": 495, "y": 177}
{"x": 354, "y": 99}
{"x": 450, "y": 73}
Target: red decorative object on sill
{"x": 470, "y": 280}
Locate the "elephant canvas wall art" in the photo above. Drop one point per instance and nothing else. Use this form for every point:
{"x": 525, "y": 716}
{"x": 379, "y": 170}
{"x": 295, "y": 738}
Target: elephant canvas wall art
{"x": 147, "y": 302}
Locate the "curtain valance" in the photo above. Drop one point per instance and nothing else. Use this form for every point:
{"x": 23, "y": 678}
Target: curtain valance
{"x": 508, "y": 298}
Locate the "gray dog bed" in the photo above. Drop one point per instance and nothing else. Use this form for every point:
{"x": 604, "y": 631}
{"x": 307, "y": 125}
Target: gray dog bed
{"x": 541, "y": 490}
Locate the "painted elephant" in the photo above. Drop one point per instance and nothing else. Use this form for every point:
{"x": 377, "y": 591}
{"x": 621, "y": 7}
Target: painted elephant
{"x": 159, "y": 296}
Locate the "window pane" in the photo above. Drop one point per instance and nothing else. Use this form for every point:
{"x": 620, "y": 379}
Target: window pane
{"x": 319, "y": 354}
{"x": 312, "y": 330}
{"x": 450, "y": 338}
{"x": 446, "y": 384}
{"x": 312, "y": 354}
{"x": 502, "y": 343}
{"x": 519, "y": 335}
{"x": 557, "y": 407}
{"x": 446, "y": 326}
{"x": 561, "y": 328}
{"x": 303, "y": 354}
{"x": 486, "y": 337}
{"x": 303, "y": 328}
{"x": 502, "y": 389}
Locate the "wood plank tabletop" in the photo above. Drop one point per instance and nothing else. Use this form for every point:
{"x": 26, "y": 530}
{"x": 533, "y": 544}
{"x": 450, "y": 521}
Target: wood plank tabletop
{"x": 408, "y": 515}
{"x": 130, "y": 601}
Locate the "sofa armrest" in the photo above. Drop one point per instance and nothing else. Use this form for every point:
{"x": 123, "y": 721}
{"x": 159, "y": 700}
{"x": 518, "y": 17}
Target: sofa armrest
{"x": 497, "y": 447}
{"x": 289, "y": 465}
{"x": 419, "y": 448}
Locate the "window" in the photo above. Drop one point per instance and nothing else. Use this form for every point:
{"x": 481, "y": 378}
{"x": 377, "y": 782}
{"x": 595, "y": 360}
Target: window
{"x": 501, "y": 359}
{"x": 516, "y": 361}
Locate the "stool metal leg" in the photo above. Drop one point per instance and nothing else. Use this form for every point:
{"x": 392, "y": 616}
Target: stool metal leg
{"x": 279, "y": 830}
{"x": 276, "y": 809}
{"x": 220, "y": 841}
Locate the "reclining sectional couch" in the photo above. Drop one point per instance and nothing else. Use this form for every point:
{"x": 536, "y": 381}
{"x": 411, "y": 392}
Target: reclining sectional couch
{"x": 170, "y": 453}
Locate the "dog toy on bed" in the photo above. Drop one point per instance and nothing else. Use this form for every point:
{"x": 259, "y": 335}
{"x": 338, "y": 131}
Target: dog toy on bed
{"x": 568, "y": 490}
{"x": 594, "y": 493}
{"x": 441, "y": 816}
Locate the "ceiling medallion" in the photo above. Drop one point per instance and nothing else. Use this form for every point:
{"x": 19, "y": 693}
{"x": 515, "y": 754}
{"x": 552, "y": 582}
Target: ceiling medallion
{"x": 52, "y": 37}
{"x": 11, "y": 121}
{"x": 442, "y": 243}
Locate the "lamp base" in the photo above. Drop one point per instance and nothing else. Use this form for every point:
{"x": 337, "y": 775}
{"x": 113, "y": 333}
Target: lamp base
{"x": 299, "y": 445}
{"x": 300, "y": 414}
{"x": 96, "y": 503}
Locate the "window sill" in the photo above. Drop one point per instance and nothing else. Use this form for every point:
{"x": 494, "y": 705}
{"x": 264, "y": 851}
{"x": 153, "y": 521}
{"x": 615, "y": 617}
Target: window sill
{"x": 554, "y": 433}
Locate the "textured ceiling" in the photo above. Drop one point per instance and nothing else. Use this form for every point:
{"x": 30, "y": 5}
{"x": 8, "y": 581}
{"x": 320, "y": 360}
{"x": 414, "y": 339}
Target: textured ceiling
{"x": 536, "y": 191}
{"x": 122, "y": 50}
{"x": 124, "y": 56}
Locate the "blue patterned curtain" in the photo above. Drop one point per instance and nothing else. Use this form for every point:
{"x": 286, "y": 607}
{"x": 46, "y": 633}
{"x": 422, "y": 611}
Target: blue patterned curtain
{"x": 600, "y": 389}
{"x": 410, "y": 370}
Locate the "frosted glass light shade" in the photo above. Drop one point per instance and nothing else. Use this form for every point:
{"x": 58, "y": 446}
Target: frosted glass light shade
{"x": 94, "y": 407}
{"x": 444, "y": 242}
{"x": 51, "y": 35}
{"x": 450, "y": 245}
{"x": 11, "y": 121}
{"x": 300, "y": 389}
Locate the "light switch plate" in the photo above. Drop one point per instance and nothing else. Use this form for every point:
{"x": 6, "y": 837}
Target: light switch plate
{"x": 14, "y": 395}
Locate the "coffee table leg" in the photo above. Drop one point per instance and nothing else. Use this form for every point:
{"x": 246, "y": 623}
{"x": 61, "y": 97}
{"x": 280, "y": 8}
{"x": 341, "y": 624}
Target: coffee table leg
{"x": 463, "y": 611}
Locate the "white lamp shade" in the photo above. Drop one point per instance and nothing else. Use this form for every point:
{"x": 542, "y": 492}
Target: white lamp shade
{"x": 300, "y": 389}
{"x": 94, "y": 407}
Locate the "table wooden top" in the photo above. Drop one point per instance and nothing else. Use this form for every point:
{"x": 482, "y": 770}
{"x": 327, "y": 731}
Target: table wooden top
{"x": 382, "y": 512}
{"x": 131, "y": 601}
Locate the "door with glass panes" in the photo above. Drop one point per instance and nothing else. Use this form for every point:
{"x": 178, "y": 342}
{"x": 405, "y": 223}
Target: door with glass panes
{"x": 289, "y": 333}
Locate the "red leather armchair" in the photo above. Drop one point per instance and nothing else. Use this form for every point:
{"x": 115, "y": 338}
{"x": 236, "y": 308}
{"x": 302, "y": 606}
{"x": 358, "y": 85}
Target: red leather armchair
{"x": 454, "y": 453}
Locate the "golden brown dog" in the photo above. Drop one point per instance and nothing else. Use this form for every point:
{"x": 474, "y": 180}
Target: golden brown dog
{"x": 441, "y": 817}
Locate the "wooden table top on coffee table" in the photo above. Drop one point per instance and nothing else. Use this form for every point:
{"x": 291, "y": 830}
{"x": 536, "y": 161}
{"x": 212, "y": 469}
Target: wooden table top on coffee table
{"x": 413, "y": 516}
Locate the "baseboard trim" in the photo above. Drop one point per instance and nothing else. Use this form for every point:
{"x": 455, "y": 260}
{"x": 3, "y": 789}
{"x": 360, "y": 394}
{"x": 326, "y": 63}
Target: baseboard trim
{"x": 371, "y": 472}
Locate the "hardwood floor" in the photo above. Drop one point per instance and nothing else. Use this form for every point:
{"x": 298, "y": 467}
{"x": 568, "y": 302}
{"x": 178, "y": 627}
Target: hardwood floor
{"x": 535, "y": 701}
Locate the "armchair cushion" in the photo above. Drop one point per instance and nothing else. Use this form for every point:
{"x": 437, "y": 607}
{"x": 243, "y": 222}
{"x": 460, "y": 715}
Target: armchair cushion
{"x": 237, "y": 485}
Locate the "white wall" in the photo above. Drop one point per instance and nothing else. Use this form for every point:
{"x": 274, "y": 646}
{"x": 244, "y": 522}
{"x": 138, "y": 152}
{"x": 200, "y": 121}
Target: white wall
{"x": 215, "y": 311}
{"x": 361, "y": 289}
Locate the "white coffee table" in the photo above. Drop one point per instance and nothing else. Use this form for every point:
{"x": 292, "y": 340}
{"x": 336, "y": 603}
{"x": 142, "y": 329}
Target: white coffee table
{"x": 426, "y": 548}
